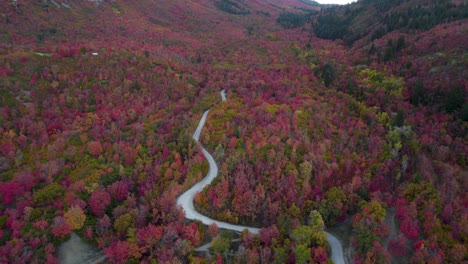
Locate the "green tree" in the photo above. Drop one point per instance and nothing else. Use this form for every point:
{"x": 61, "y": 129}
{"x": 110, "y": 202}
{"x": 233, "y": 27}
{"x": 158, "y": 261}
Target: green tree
{"x": 302, "y": 235}
{"x": 399, "y": 119}
{"x": 464, "y": 112}
{"x": 318, "y": 236}
{"x": 123, "y": 222}
{"x": 373, "y": 211}
{"x": 364, "y": 237}
{"x": 131, "y": 235}
{"x": 292, "y": 20}
{"x": 418, "y": 96}
{"x": 316, "y": 221}
{"x": 455, "y": 99}
{"x": 3, "y": 220}
{"x": 423, "y": 194}
{"x": 305, "y": 171}
{"x": 48, "y": 193}
{"x": 284, "y": 224}
{"x": 281, "y": 255}
{"x": 372, "y": 50}
{"x": 331, "y": 26}
{"x": 401, "y": 43}
{"x": 389, "y": 54}
{"x": 332, "y": 206}
{"x": 302, "y": 253}
{"x": 328, "y": 74}
{"x": 220, "y": 244}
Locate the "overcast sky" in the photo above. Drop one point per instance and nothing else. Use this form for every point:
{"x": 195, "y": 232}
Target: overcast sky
{"x": 341, "y": 2}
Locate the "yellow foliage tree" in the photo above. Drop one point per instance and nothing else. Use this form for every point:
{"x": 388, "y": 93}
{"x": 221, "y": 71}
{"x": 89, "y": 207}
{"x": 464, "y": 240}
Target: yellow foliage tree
{"x": 75, "y": 217}
{"x": 123, "y": 222}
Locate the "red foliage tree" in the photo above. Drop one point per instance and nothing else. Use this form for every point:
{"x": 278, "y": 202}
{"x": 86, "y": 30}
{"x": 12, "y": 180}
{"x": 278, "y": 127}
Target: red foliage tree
{"x": 150, "y": 235}
{"x": 213, "y": 230}
{"x": 98, "y": 202}
{"x": 397, "y": 246}
{"x": 95, "y": 148}
{"x": 119, "y": 190}
{"x": 60, "y": 228}
{"x": 118, "y": 252}
{"x": 8, "y": 191}
{"x": 319, "y": 255}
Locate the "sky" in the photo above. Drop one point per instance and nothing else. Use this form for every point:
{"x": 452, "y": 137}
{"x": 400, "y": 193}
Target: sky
{"x": 340, "y": 2}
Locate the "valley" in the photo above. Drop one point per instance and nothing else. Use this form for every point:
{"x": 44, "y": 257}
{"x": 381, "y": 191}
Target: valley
{"x": 229, "y": 131}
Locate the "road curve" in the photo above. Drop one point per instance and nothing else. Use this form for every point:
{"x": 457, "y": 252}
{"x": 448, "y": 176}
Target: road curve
{"x": 186, "y": 199}
{"x": 337, "y": 250}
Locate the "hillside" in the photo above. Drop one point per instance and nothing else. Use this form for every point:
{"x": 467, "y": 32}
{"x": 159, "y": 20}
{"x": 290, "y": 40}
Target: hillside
{"x": 371, "y": 19}
{"x": 335, "y": 120}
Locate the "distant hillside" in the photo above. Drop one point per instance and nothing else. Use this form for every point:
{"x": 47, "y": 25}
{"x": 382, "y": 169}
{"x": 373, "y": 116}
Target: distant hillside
{"x": 373, "y": 19}
{"x": 241, "y": 7}
{"x": 65, "y": 20}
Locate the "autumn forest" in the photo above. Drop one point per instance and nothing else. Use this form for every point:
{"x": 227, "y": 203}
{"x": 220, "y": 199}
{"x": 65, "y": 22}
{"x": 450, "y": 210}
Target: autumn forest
{"x": 345, "y": 123}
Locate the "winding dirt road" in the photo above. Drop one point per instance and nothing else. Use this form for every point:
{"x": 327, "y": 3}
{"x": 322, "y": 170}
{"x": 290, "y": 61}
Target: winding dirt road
{"x": 186, "y": 199}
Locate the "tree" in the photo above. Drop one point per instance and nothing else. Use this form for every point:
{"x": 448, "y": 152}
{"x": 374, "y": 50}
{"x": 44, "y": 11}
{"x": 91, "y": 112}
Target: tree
{"x": 376, "y": 255}
{"x": 267, "y": 235}
{"x": 292, "y": 20}
{"x": 367, "y": 224}
{"x": 399, "y": 119}
{"x": 464, "y": 112}
{"x": 454, "y": 99}
{"x": 333, "y": 205}
{"x": 8, "y": 191}
{"x": 123, "y": 222}
{"x": 302, "y": 235}
{"x": 331, "y": 26}
{"x": 119, "y": 190}
{"x": 213, "y": 230}
{"x": 316, "y": 221}
{"x": 389, "y": 54}
{"x": 220, "y": 244}
{"x": 60, "y": 228}
{"x": 327, "y": 73}
{"x": 302, "y": 253}
{"x": 397, "y": 246}
{"x": 318, "y": 236}
{"x": 409, "y": 227}
{"x": 150, "y": 235}
{"x": 48, "y": 193}
{"x": 372, "y": 50}
{"x": 418, "y": 95}
{"x": 118, "y": 252}
{"x": 401, "y": 43}
{"x": 305, "y": 171}
{"x": 103, "y": 224}
{"x": 98, "y": 202}
{"x": 364, "y": 239}
{"x": 95, "y": 148}
{"x": 319, "y": 255}
{"x": 75, "y": 217}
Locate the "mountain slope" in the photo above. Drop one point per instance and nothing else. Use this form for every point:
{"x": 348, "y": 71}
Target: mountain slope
{"x": 373, "y": 19}
{"x": 99, "y": 101}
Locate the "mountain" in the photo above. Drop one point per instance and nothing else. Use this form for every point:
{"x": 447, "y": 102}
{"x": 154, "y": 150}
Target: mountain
{"x": 374, "y": 19}
{"x": 344, "y": 120}
{"x": 401, "y": 34}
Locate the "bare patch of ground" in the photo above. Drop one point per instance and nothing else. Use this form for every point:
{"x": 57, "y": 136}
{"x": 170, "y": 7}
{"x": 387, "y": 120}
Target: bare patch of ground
{"x": 76, "y": 251}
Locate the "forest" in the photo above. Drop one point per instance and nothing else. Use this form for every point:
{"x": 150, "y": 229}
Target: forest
{"x": 346, "y": 122}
